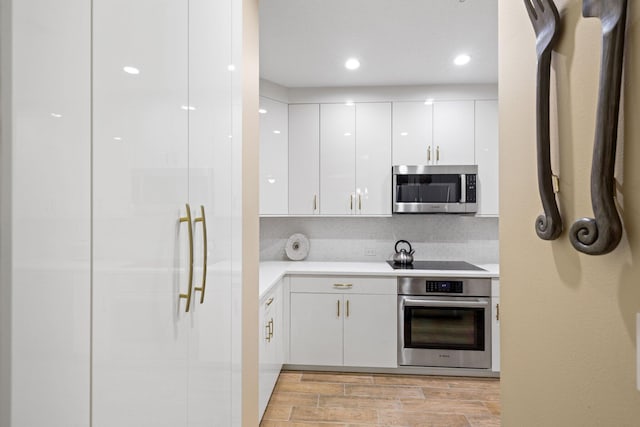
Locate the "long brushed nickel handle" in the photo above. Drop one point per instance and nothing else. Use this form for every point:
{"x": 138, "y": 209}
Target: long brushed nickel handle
{"x": 187, "y": 296}
{"x": 338, "y": 308}
{"x": 203, "y": 219}
{"x": 347, "y": 308}
{"x": 267, "y": 336}
{"x": 351, "y": 201}
{"x": 429, "y": 154}
{"x": 602, "y": 234}
{"x": 315, "y": 202}
{"x": 438, "y": 154}
{"x": 360, "y": 201}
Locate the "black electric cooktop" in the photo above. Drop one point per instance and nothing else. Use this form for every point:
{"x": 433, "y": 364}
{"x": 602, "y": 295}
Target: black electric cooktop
{"x": 435, "y": 265}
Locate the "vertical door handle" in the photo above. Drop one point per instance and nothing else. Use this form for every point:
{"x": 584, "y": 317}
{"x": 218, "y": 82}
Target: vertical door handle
{"x": 203, "y": 220}
{"x": 270, "y": 328}
{"x": 347, "y": 308}
{"x": 315, "y": 202}
{"x": 351, "y": 201}
{"x": 338, "y": 308}
{"x": 438, "y": 154}
{"x": 497, "y": 311}
{"x": 187, "y": 296}
{"x": 429, "y": 153}
{"x": 267, "y": 336}
{"x": 360, "y": 201}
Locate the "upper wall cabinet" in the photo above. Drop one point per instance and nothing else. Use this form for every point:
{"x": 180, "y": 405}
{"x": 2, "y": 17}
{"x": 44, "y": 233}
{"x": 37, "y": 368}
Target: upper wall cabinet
{"x": 274, "y": 165}
{"x": 441, "y": 133}
{"x": 304, "y": 159}
{"x": 412, "y": 133}
{"x": 453, "y": 132}
{"x": 486, "y": 136}
{"x": 355, "y": 159}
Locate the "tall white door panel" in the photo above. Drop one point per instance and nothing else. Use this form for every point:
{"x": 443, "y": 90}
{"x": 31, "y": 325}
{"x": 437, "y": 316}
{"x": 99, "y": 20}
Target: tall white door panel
{"x": 412, "y": 133}
{"x": 337, "y": 159}
{"x": 48, "y": 249}
{"x": 304, "y": 159}
{"x": 274, "y": 157}
{"x": 453, "y": 132}
{"x": 373, "y": 158}
{"x": 209, "y": 397}
{"x": 487, "y": 156}
{"x": 140, "y": 188}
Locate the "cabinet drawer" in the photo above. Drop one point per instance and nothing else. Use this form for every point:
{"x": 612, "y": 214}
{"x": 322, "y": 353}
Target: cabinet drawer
{"x": 344, "y": 284}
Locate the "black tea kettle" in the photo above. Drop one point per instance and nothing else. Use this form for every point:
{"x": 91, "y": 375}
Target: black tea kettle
{"x": 403, "y": 256}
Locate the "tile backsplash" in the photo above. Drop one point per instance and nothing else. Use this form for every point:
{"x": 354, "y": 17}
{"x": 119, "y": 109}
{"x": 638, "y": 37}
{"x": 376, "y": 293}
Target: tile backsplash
{"x": 434, "y": 237}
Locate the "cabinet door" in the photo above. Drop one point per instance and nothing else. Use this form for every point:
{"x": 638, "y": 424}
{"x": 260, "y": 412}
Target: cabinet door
{"x": 274, "y": 157}
{"x": 304, "y": 159}
{"x": 412, "y": 133}
{"x": 337, "y": 159}
{"x": 140, "y": 183}
{"x": 46, "y": 250}
{"x": 370, "y": 330}
{"x": 453, "y": 133}
{"x": 487, "y": 156}
{"x": 316, "y": 329}
{"x": 209, "y": 112}
{"x": 373, "y": 158}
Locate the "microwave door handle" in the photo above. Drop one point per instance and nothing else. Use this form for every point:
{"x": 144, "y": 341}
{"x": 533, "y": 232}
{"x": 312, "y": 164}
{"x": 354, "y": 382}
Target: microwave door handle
{"x": 463, "y": 188}
{"x": 408, "y": 302}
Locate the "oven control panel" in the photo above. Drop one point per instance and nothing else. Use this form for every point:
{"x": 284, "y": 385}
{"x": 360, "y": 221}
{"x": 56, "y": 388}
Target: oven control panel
{"x": 444, "y": 286}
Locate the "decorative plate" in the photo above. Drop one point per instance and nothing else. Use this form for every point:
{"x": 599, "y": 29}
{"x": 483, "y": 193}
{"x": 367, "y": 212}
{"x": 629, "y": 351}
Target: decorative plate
{"x": 297, "y": 247}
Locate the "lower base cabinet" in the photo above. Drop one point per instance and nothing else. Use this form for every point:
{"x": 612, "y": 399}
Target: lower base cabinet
{"x": 495, "y": 325}
{"x": 271, "y": 347}
{"x": 343, "y": 321}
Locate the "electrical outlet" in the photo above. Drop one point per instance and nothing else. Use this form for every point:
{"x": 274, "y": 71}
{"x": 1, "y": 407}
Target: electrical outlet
{"x": 369, "y": 251}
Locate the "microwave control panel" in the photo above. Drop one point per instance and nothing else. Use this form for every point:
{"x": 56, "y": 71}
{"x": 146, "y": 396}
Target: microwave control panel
{"x": 471, "y": 188}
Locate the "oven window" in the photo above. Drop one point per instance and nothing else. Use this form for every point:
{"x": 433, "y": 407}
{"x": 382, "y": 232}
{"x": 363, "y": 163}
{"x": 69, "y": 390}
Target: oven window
{"x": 441, "y": 188}
{"x": 444, "y": 328}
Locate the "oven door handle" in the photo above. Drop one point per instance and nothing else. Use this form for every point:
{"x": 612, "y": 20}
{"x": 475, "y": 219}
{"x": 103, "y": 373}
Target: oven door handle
{"x": 408, "y": 302}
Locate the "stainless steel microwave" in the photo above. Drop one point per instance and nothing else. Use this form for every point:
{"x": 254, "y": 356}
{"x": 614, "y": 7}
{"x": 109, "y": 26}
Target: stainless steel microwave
{"x": 435, "y": 189}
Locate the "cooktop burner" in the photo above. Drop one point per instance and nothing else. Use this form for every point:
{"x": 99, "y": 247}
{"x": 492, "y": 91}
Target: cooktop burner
{"x": 435, "y": 265}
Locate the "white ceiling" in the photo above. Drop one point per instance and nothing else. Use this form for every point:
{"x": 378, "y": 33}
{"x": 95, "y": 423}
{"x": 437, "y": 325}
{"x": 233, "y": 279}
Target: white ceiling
{"x": 305, "y": 43}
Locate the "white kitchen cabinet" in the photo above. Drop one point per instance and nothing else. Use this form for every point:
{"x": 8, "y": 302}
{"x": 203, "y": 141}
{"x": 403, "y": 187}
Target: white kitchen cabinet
{"x": 343, "y": 321}
{"x": 271, "y": 357}
{"x": 161, "y": 352}
{"x": 486, "y": 145}
{"x": 495, "y": 325}
{"x": 274, "y": 157}
{"x": 355, "y": 159}
{"x": 46, "y": 230}
{"x": 373, "y": 158}
{"x": 412, "y": 133}
{"x": 304, "y": 159}
{"x": 453, "y": 133}
{"x": 337, "y": 159}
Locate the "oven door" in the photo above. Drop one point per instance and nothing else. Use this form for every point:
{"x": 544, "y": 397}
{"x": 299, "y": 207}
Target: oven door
{"x": 444, "y": 331}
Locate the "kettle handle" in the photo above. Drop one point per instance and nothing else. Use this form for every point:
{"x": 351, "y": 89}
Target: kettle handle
{"x": 403, "y": 241}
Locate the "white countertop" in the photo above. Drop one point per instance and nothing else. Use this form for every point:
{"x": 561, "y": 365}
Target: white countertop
{"x": 272, "y": 271}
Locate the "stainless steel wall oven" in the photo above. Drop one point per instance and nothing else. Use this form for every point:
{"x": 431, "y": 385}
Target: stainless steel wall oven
{"x": 444, "y": 322}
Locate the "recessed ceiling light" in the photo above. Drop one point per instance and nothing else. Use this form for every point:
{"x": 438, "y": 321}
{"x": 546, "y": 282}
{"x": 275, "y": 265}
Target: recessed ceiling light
{"x": 462, "y": 59}
{"x": 277, "y": 132}
{"x": 130, "y": 70}
{"x": 262, "y": 111}
{"x": 352, "y": 64}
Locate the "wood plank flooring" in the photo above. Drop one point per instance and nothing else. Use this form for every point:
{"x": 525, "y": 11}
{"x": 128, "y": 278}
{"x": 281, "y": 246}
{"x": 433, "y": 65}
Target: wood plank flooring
{"x": 328, "y": 399}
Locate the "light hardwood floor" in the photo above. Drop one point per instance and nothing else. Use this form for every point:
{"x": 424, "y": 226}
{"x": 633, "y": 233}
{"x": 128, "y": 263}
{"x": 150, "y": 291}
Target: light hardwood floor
{"x": 323, "y": 399}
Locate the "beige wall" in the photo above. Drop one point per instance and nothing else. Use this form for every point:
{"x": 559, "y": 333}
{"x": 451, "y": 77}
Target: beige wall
{"x": 568, "y": 319}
